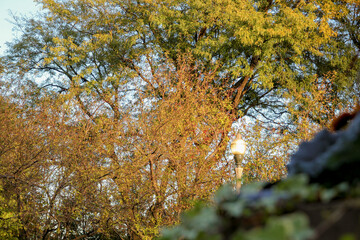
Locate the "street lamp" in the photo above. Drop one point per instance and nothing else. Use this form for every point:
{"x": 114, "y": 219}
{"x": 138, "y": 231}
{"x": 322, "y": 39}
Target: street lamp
{"x": 238, "y": 147}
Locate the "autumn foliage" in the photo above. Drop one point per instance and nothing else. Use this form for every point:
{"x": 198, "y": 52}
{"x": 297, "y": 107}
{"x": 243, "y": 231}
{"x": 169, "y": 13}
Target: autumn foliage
{"x": 117, "y": 115}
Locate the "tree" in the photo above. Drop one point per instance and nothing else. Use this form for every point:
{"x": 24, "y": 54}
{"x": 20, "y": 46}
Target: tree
{"x": 270, "y": 144}
{"x": 144, "y": 96}
{"x": 9, "y": 222}
{"x": 273, "y": 46}
{"x": 107, "y": 178}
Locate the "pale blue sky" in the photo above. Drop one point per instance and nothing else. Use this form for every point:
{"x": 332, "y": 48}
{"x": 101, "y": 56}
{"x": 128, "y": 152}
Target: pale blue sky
{"x": 17, "y": 7}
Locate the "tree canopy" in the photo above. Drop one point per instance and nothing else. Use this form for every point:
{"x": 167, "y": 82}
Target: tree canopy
{"x": 129, "y": 105}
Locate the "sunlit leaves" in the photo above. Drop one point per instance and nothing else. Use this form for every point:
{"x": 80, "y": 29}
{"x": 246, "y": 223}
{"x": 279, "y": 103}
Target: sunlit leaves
{"x": 137, "y": 98}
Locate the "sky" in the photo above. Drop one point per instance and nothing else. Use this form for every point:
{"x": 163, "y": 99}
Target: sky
{"x": 17, "y": 7}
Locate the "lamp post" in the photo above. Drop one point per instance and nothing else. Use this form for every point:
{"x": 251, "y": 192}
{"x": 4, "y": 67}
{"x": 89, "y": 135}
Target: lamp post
{"x": 238, "y": 147}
